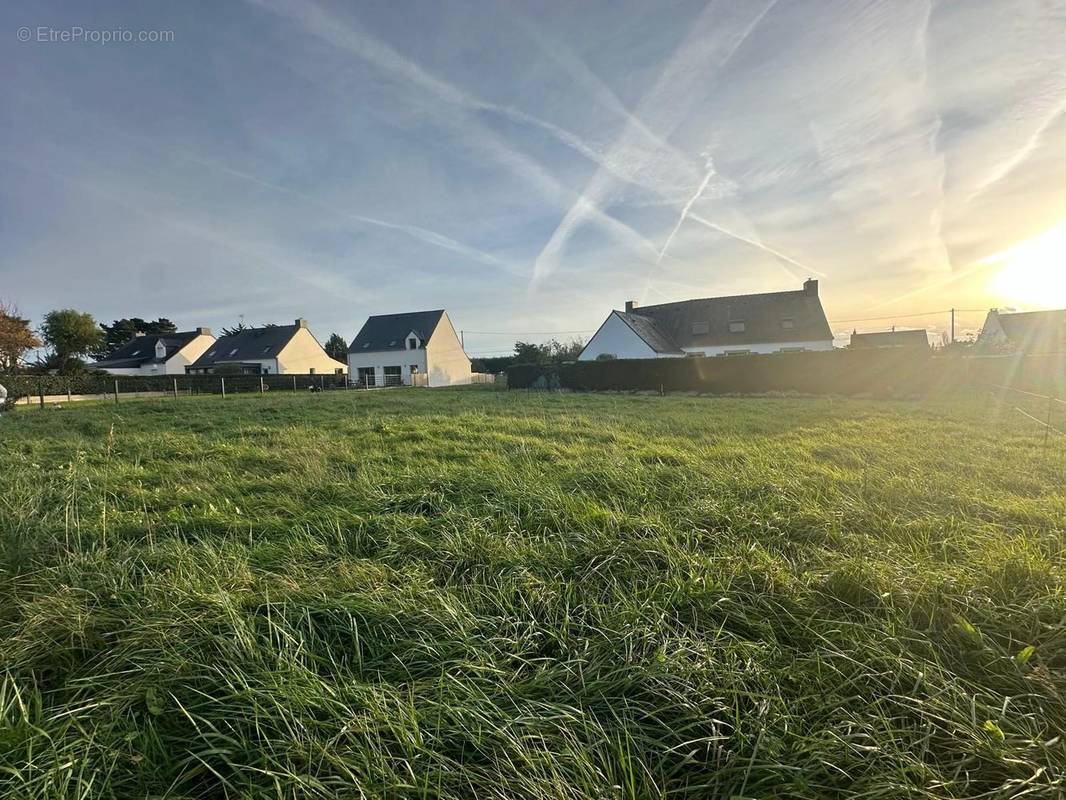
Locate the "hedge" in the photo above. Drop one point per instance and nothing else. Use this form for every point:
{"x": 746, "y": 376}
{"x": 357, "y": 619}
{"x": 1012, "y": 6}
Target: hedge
{"x": 101, "y": 383}
{"x": 845, "y": 372}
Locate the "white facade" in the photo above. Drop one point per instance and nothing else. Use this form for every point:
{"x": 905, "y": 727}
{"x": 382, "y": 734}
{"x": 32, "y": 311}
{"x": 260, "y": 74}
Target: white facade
{"x": 616, "y": 339}
{"x": 752, "y": 349}
{"x": 303, "y": 355}
{"x": 441, "y": 359}
{"x": 175, "y": 365}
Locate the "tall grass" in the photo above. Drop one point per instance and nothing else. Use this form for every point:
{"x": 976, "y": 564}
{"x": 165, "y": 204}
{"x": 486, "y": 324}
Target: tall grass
{"x": 454, "y": 594}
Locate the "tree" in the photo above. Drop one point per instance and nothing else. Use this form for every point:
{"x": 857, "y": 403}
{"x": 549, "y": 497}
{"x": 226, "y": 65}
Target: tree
{"x": 551, "y": 352}
{"x": 232, "y": 331}
{"x": 71, "y": 334}
{"x": 16, "y": 337}
{"x": 122, "y": 330}
{"x": 336, "y": 347}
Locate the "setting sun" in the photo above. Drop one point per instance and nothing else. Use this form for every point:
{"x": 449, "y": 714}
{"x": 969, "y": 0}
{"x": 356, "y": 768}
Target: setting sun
{"x": 1032, "y": 272}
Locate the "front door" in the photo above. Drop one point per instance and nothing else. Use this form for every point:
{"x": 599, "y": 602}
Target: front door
{"x": 366, "y": 377}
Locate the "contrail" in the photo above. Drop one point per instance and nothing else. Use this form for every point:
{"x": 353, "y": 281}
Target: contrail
{"x": 688, "y": 207}
{"x": 805, "y": 270}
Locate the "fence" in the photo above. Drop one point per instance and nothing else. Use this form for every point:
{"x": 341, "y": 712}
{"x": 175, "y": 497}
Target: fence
{"x": 883, "y": 373}
{"x": 44, "y": 389}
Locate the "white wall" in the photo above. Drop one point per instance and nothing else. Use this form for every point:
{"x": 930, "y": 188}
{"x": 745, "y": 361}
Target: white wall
{"x": 616, "y": 338}
{"x": 447, "y": 362}
{"x": 769, "y": 347}
{"x": 379, "y": 359}
{"x": 175, "y": 365}
{"x": 303, "y": 354}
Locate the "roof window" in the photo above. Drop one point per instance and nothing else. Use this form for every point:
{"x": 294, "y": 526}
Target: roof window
{"x": 700, "y": 327}
{"x": 737, "y": 326}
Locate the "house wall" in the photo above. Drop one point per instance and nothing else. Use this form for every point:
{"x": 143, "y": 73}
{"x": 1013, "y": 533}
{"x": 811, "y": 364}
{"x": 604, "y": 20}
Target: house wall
{"x": 379, "y": 359}
{"x": 617, "y": 339}
{"x": 303, "y": 354}
{"x": 175, "y": 365}
{"x": 768, "y": 347}
{"x": 447, "y": 362}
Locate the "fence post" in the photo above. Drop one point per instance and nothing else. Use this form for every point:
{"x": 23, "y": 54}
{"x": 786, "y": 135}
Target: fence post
{"x": 261, "y": 387}
{"x": 40, "y": 392}
{"x": 294, "y": 384}
{"x": 116, "y": 390}
{"x": 175, "y": 388}
{"x": 69, "y": 398}
{"x": 223, "y": 388}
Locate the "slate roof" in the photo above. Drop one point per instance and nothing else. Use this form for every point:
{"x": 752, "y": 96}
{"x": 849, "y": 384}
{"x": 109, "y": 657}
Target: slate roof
{"x": 913, "y": 338}
{"x": 1036, "y": 331}
{"x": 252, "y": 344}
{"x": 141, "y": 350}
{"x": 389, "y": 331}
{"x": 648, "y": 330}
{"x": 706, "y": 322}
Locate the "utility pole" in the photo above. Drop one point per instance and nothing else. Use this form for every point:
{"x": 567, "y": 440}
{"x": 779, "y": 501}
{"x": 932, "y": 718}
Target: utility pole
{"x": 953, "y": 326}
{"x": 462, "y": 339}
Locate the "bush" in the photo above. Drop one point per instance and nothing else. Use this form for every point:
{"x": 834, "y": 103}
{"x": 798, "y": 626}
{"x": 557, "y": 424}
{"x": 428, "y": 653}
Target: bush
{"x": 881, "y": 373}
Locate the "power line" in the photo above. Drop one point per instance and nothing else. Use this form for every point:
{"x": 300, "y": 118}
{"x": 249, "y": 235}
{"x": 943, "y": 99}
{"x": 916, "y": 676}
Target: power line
{"x": 905, "y": 316}
{"x": 527, "y": 333}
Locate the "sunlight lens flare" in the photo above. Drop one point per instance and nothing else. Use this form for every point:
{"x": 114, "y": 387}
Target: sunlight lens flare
{"x": 1032, "y": 272}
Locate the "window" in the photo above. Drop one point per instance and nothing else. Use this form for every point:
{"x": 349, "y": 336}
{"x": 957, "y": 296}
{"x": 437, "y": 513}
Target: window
{"x": 366, "y": 377}
{"x": 700, "y": 327}
{"x": 392, "y": 343}
{"x": 737, "y": 326}
{"x": 414, "y": 368}
{"x": 412, "y": 343}
{"x": 737, "y": 353}
{"x": 393, "y": 376}
{"x": 232, "y": 352}
{"x": 211, "y": 353}
{"x": 698, "y": 354}
{"x": 792, "y": 350}
{"x": 311, "y": 371}
{"x": 267, "y": 349}
{"x": 338, "y": 371}
{"x": 366, "y": 345}
{"x": 788, "y": 323}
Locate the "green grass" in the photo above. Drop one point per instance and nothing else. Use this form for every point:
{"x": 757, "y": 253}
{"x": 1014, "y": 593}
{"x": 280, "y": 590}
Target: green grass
{"x": 510, "y": 595}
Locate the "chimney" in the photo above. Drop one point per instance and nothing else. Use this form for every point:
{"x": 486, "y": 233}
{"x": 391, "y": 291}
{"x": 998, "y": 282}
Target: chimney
{"x": 204, "y": 331}
{"x": 630, "y": 305}
{"x": 301, "y": 323}
{"x": 810, "y": 287}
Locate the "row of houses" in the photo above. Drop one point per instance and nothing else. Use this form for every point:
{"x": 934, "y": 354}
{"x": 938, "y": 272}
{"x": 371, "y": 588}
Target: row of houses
{"x": 422, "y": 348}
{"x": 419, "y": 348}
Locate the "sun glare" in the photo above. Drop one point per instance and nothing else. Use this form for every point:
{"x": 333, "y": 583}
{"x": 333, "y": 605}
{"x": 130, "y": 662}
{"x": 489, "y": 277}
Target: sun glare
{"x": 1032, "y": 272}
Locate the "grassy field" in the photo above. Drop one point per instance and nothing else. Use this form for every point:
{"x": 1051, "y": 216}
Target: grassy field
{"x": 486, "y": 594}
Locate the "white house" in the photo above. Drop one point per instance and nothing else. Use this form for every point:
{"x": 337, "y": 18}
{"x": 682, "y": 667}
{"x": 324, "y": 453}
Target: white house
{"x": 419, "y": 348}
{"x": 1025, "y": 332}
{"x": 157, "y": 354}
{"x": 271, "y": 350}
{"x": 776, "y": 322}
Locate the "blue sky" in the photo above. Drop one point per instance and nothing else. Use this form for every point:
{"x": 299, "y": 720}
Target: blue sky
{"x": 527, "y": 166}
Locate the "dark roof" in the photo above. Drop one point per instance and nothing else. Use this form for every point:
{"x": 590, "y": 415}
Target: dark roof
{"x": 252, "y": 344}
{"x": 913, "y": 338}
{"x": 706, "y": 322}
{"x": 389, "y": 331}
{"x": 648, "y": 330}
{"x": 141, "y": 350}
{"x": 1036, "y": 331}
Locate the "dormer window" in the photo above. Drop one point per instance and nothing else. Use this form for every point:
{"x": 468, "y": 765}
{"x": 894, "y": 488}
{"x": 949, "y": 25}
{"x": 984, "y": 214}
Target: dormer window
{"x": 737, "y": 326}
{"x": 412, "y": 343}
{"x": 160, "y": 350}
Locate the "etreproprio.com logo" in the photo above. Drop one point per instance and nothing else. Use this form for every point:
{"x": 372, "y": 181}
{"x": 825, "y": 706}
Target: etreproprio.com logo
{"x": 77, "y": 34}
